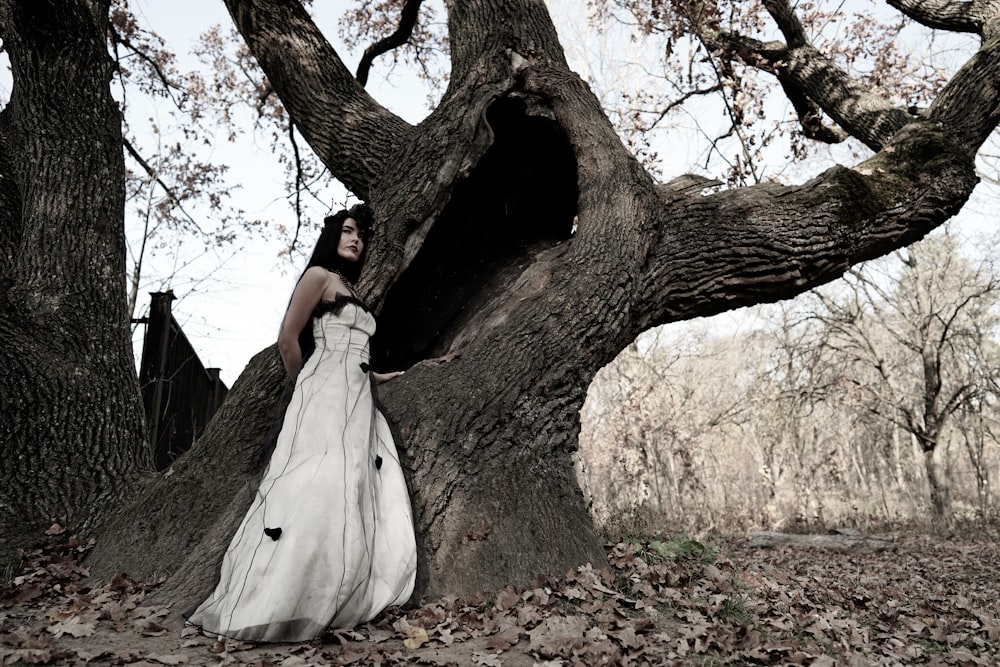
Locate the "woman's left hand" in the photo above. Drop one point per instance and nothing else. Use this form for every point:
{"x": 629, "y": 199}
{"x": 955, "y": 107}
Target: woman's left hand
{"x": 385, "y": 377}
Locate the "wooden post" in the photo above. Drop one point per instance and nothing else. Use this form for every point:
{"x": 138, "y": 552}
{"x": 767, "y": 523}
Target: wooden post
{"x": 152, "y": 370}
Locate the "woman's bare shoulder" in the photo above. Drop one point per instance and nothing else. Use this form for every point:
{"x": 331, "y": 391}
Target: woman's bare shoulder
{"x": 315, "y": 274}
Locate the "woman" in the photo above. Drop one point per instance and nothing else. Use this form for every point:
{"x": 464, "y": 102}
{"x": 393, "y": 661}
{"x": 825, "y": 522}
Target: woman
{"x": 328, "y": 540}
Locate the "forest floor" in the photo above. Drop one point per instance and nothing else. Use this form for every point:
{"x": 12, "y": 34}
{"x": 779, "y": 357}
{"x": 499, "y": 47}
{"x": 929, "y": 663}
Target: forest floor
{"x": 657, "y": 600}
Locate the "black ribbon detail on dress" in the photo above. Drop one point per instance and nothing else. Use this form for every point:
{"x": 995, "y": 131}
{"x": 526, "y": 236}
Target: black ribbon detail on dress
{"x": 337, "y": 303}
{"x": 378, "y": 463}
{"x": 273, "y": 533}
{"x": 365, "y": 367}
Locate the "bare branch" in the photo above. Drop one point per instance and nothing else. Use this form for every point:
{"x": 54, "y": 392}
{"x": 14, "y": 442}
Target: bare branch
{"x": 167, "y": 190}
{"x": 959, "y": 396}
{"x": 407, "y": 20}
{"x": 298, "y": 183}
{"x": 351, "y": 133}
{"x": 689, "y": 95}
{"x": 117, "y": 38}
{"x": 971, "y": 16}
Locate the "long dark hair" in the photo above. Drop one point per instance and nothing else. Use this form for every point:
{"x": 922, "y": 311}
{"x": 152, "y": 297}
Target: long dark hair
{"x": 325, "y": 252}
{"x": 325, "y": 255}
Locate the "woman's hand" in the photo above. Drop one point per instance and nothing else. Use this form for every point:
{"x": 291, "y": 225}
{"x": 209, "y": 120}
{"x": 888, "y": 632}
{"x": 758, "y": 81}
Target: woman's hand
{"x": 385, "y": 377}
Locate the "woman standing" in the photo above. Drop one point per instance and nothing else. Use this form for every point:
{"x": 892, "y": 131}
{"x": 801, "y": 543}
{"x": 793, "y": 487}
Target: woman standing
{"x": 328, "y": 540}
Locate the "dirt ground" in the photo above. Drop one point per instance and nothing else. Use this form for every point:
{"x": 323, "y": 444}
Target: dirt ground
{"x": 656, "y": 601}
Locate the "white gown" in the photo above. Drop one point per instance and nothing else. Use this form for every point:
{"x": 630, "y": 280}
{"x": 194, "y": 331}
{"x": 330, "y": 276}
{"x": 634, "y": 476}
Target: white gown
{"x": 334, "y": 487}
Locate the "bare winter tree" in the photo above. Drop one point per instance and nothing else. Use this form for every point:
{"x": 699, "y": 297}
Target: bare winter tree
{"x": 652, "y": 423}
{"x": 918, "y": 342}
{"x": 474, "y": 260}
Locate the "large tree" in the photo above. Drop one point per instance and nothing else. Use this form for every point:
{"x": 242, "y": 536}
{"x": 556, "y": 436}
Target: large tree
{"x": 71, "y": 428}
{"x": 478, "y": 264}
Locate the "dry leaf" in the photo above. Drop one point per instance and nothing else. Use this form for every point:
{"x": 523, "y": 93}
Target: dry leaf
{"x": 506, "y": 599}
{"x": 415, "y": 638}
{"x": 150, "y": 628}
{"x": 487, "y": 660}
{"x": 557, "y": 636}
{"x": 28, "y": 593}
{"x": 72, "y": 627}
{"x": 503, "y": 640}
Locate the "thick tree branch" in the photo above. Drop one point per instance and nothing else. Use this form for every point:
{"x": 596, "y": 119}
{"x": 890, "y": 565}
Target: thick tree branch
{"x": 781, "y": 243}
{"x": 788, "y": 22}
{"x": 352, "y": 134}
{"x": 407, "y": 20}
{"x": 810, "y": 115}
{"x": 809, "y": 75}
{"x": 969, "y": 105}
{"x": 974, "y": 16}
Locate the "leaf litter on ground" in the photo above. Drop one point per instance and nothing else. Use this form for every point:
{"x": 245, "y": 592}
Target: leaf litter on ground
{"x": 656, "y": 601}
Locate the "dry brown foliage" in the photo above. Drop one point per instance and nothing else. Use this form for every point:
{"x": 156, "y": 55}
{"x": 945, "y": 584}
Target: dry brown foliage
{"x": 656, "y": 601}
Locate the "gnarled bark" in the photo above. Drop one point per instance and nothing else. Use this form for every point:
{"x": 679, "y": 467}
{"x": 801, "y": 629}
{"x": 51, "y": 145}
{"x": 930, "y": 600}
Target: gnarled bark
{"x": 976, "y": 16}
{"x": 71, "y": 430}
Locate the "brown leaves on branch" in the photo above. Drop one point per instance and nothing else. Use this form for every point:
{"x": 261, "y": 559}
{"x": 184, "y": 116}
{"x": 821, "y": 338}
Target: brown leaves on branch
{"x": 719, "y": 59}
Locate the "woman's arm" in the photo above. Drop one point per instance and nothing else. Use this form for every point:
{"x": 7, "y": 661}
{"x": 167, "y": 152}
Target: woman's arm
{"x": 305, "y": 298}
{"x": 385, "y": 377}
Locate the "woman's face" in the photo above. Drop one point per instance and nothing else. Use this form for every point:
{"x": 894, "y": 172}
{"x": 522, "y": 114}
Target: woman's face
{"x": 351, "y": 244}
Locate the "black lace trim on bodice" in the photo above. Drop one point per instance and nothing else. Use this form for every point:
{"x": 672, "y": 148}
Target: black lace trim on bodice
{"x": 337, "y": 304}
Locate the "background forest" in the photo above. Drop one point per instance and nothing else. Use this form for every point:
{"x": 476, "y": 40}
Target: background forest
{"x": 873, "y": 400}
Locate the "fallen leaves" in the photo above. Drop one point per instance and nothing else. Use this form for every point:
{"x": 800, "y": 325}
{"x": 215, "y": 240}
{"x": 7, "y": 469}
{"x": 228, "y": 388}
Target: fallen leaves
{"x": 415, "y": 638}
{"x": 53, "y": 592}
{"x": 663, "y": 601}
{"x": 73, "y": 627}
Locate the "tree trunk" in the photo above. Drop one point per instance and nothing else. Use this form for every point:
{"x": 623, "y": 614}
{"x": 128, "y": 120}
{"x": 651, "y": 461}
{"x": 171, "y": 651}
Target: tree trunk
{"x": 940, "y": 497}
{"x": 71, "y": 429}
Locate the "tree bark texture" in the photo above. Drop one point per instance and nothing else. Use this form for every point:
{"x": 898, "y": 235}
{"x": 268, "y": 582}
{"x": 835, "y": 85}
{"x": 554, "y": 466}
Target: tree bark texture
{"x": 474, "y": 261}
{"x": 940, "y": 495}
{"x": 71, "y": 427}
